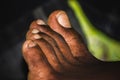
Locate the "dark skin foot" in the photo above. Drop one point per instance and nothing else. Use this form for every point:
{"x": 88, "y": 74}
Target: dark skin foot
{"x": 55, "y": 51}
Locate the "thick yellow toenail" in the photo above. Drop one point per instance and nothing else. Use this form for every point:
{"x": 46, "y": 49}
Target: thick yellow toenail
{"x": 31, "y": 44}
{"x": 34, "y": 31}
{"x": 63, "y": 19}
{"x": 40, "y": 22}
{"x": 37, "y": 36}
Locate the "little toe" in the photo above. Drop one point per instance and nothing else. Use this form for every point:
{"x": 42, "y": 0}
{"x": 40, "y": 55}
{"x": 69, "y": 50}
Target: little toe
{"x": 34, "y": 56}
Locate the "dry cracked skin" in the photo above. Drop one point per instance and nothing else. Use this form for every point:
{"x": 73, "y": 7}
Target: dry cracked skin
{"x": 55, "y": 51}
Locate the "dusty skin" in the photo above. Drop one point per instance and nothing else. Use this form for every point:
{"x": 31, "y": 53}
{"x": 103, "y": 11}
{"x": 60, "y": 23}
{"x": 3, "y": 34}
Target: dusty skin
{"x": 55, "y": 51}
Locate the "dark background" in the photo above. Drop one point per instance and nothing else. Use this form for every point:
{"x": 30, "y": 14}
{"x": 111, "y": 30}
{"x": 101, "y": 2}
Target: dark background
{"x": 16, "y": 15}
{"x": 15, "y": 18}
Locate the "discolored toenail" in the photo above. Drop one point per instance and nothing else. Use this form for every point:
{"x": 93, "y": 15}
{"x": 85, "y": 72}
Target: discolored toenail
{"x": 31, "y": 44}
{"x": 34, "y": 31}
{"x": 37, "y": 36}
{"x": 40, "y": 22}
{"x": 63, "y": 19}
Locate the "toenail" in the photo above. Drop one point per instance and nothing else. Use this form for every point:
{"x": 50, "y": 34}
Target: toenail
{"x": 63, "y": 19}
{"x": 36, "y": 36}
{"x": 40, "y": 22}
{"x": 34, "y": 31}
{"x": 31, "y": 44}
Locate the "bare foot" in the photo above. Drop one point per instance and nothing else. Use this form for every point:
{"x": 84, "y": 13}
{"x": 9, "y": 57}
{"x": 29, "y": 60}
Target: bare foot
{"x": 55, "y": 51}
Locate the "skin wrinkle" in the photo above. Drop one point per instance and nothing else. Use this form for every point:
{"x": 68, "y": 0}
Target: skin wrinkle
{"x": 57, "y": 51}
{"x": 54, "y": 44}
{"x": 74, "y": 37}
{"x": 61, "y": 58}
{"x": 48, "y": 49}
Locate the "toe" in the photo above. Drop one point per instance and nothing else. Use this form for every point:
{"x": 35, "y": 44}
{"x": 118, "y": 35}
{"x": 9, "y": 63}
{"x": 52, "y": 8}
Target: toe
{"x": 34, "y": 56}
{"x": 35, "y": 23}
{"x": 59, "y": 22}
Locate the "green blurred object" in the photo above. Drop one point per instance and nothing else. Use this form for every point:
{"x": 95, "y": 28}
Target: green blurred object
{"x": 99, "y": 44}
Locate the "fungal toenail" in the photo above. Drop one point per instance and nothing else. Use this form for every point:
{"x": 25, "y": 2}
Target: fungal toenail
{"x": 63, "y": 19}
{"x": 40, "y": 22}
{"x": 37, "y": 36}
{"x": 34, "y": 31}
{"x": 31, "y": 44}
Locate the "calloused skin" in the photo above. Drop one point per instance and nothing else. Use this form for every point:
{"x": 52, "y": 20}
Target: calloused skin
{"x": 57, "y": 52}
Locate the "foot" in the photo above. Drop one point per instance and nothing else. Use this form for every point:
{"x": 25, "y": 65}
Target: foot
{"x": 55, "y": 51}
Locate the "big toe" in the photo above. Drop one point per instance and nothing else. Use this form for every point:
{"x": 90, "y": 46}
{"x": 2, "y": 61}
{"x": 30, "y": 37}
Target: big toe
{"x": 59, "y": 22}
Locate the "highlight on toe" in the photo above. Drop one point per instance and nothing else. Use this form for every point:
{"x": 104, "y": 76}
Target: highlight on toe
{"x": 40, "y": 22}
